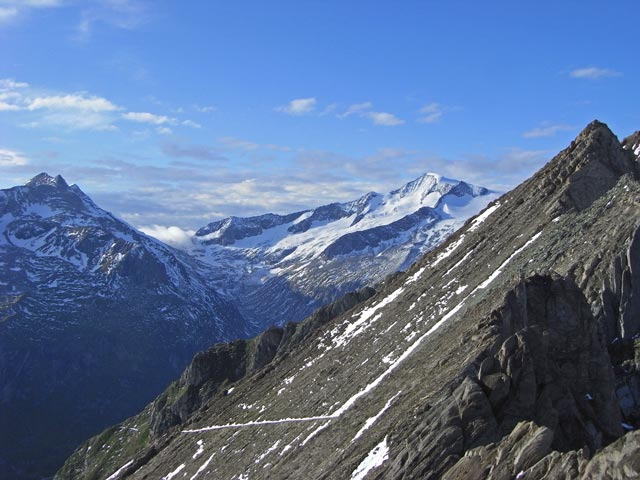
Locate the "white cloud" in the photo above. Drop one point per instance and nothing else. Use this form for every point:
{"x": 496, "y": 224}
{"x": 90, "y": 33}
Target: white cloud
{"x": 75, "y": 111}
{"x": 146, "y": 117}
{"x": 356, "y": 109}
{"x": 547, "y": 130}
{"x": 191, "y": 123}
{"x": 7, "y": 14}
{"x": 384, "y": 118}
{"x": 430, "y": 113}
{"x": 299, "y": 106}
{"x": 4, "y": 106}
{"x": 72, "y": 102}
{"x": 378, "y": 118}
{"x": 594, "y": 73}
{"x": 11, "y": 158}
{"x": 10, "y": 84}
{"x": 204, "y": 108}
{"x": 174, "y": 236}
{"x": 11, "y": 9}
{"x": 123, "y": 14}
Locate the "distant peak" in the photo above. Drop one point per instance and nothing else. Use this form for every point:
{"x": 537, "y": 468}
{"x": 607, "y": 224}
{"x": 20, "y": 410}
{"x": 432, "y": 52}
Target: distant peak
{"x": 596, "y": 129}
{"x": 632, "y": 142}
{"x": 46, "y": 179}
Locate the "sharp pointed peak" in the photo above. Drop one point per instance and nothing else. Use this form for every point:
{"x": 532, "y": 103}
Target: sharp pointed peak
{"x": 46, "y": 179}
{"x": 595, "y": 130}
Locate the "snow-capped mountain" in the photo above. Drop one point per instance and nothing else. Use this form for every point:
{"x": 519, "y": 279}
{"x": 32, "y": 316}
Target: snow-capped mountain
{"x": 94, "y": 318}
{"x": 511, "y": 351}
{"x": 286, "y": 266}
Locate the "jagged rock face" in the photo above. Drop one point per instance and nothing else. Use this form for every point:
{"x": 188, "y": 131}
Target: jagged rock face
{"x": 551, "y": 368}
{"x": 284, "y": 267}
{"x": 489, "y": 358}
{"x": 95, "y": 320}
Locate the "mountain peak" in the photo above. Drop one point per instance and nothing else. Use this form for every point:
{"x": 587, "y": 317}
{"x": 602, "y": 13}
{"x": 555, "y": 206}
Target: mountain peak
{"x": 632, "y": 142}
{"x": 46, "y": 179}
{"x": 583, "y": 172}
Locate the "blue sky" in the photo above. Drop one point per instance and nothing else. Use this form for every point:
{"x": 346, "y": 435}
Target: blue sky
{"x": 180, "y": 113}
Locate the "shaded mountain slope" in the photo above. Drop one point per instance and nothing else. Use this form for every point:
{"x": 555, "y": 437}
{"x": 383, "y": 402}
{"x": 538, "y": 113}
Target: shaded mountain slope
{"x": 95, "y": 319}
{"x": 510, "y": 351}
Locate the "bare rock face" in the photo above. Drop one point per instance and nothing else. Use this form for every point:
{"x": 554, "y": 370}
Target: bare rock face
{"x": 619, "y": 461}
{"x": 548, "y": 386}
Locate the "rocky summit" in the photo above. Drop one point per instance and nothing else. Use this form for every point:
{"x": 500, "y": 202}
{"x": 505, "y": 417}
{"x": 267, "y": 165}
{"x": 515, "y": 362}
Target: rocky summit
{"x": 511, "y": 351}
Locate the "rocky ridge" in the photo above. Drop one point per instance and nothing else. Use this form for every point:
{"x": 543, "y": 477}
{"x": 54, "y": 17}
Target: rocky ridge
{"x": 510, "y": 351}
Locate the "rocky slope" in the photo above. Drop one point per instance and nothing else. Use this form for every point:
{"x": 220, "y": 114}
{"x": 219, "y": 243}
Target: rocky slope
{"x": 510, "y": 351}
{"x": 284, "y": 267}
{"x": 95, "y": 320}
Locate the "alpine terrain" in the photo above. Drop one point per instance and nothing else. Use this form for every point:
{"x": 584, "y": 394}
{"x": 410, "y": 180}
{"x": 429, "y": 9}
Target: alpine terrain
{"x": 512, "y": 350}
{"x": 94, "y": 318}
{"x": 284, "y": 267}
{"x": 97, "y": 318}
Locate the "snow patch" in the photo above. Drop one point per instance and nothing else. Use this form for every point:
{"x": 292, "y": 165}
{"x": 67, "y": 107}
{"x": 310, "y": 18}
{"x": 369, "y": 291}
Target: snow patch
{"x": 174, "y": 473}
{"x": 202, "y": 467}
{"x": 269, "y": 450}
{"x": 314, "y": 433}
{"x": 415, "y": 276}
{"x": 117, "y": 473}
{"x": 479, "y": 220}
{"x": 499, "y": 270}
{"x": 200, "y": 450}
{"x": 448, "y": 251}
{"x": 374, "y": 459}
{"x": 372, "y": 420}
{"x": 363, "y": 322}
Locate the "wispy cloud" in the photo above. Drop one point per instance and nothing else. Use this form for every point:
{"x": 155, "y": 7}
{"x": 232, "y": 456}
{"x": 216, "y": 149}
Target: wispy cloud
{"x": 356, "y": 109}
{"x": 547, "y": 130}
{"x": 122, "y": 14}
{"x": 76, "y": 111}
{"x": 12, "y": 9}
{"x": 11, "y": 158}
{"x": 7, "y": 14}
{"x": 430, "y": 113}
{"x": 72, "y": 102}
{"x": 10, "y": 83}
{"x": 594, "y": 73}
{"x": 364, "y": 110}
{"x": 150, "y": 118}
{"x": 384, "y": 118}
{"x": 204, "y": 108}
{"x": 233, "y": 143}
{"x": 195, "y": 152}
{"x": 72, "y": 111}
{"x": 298, "y": 106}
{"x": 191, "y": 124}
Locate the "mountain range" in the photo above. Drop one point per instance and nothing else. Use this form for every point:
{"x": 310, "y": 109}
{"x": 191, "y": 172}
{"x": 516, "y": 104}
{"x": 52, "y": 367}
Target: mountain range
{"x": 96, "y": 318}
{"x": 510, "y": 351}
{"x": 284, "y": 267}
